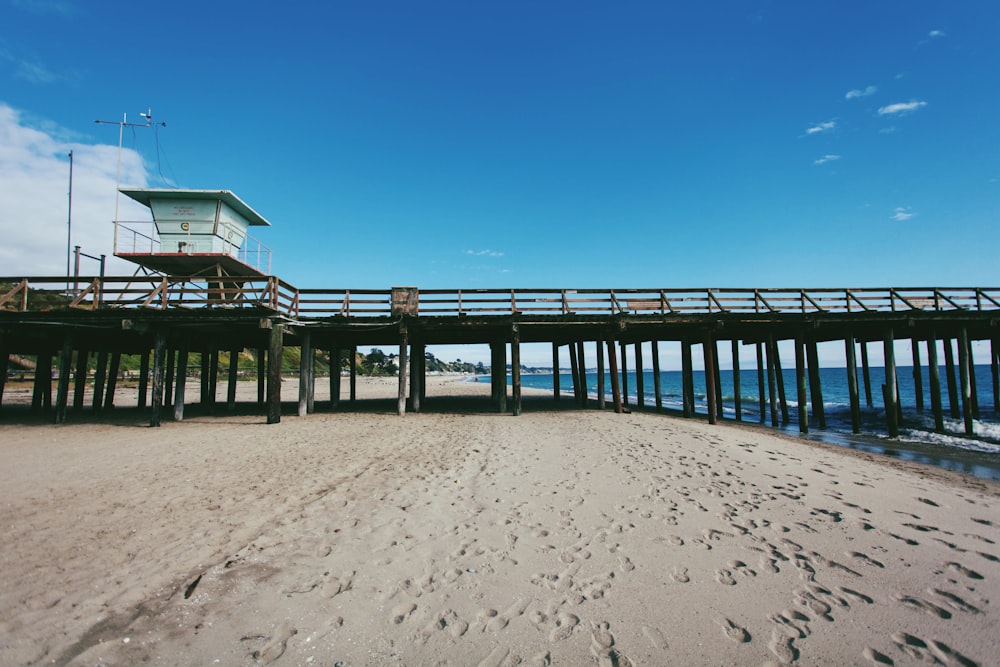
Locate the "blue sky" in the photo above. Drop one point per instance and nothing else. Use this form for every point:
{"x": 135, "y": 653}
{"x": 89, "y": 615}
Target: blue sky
{"x": 525, "y": 144}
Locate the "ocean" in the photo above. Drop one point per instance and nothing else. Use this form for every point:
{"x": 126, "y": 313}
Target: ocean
{"x": 979, "y": 455}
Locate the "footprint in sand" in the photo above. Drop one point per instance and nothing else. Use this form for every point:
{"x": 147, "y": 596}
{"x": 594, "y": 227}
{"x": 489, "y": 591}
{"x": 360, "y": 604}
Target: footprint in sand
{"x": 401, "y": 612}
{"x": 923, "y": 605}
{"x": 655, "y": 637}
{"x": 725, "y": 577}
{"x": 876, "y": 657}
{"x": 783, "y": 647}
{"x": 680, "y": 575}
{"x": 276, "y": 644}
{"x": 733, "y": 631}
{"x": 964, "y": 571}
{"x": 565, "y": 623}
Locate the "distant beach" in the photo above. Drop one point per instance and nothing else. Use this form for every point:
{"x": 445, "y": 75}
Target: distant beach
{"x": 463, "y": 537}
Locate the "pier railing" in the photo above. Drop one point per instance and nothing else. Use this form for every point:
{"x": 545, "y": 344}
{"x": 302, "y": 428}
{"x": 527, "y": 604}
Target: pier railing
{"x": 164, "y": 292}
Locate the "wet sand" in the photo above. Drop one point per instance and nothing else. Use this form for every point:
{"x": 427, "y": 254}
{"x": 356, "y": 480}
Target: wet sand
{"x": 469, "y": 538}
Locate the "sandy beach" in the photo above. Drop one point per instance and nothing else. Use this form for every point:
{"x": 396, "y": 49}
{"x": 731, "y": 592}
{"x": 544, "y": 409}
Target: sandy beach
{"x": 461, "y": 537}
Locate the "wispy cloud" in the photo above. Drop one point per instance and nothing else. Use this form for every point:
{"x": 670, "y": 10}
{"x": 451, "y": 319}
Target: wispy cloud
{"x": 858, "y": 92}
{"x": 484, "y": 253}
{"x": 822, "y": 127}
{"x": 901, "y": 107}
{"x": 32, "y": 71}
{"x": 901, "y": 214}
{"x": 826, "y": 158}
{"x": 937, "y": 33}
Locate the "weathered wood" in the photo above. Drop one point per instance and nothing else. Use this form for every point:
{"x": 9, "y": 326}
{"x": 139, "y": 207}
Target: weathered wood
{"x": 417, "y": 368}
{"x": 495, "y": 375}
{"x": 657, "y": 381}
{"x": 574, "y": 367}
{"x": 261, "y": 375}
{"x": 800, "y": 383}
{"x": 866, "y": 374}
{"x": 974, "y": 393}
{"x": 737, "y": 389}
{"x": 204, "y": 375}
{"x": 515, "y": 369}
{"x": 852, "y": 383}
{"x": 234, "y": 376}
{"x": 41, "y": 399}
{"x": 601, "y": 400}
{"x": 761, "y": 391}
{"x": 168, "y": 378}
{"x": 500, "y": 364}
{"x": 334, "y": 376}
{"x": 403, "y": 367}
{"x": 4, "y": 365}
{"x": 717, "y": 372}
{"x": 80, "y": 379}
{"x": 616, "y": 392}
{"x": 708, "y": 350}
{"x": 624, "y": 366}
{"x": 687, "y": 380}
{"x": 65, "y": 369}
{"x": 275, "y": 349}
{"x": 353, "y": 379}
{"x": 582, "y": 370}
{"x": 934, "y": 377}
{"x": 640, "y": 381}
{"x": 213, "y": 377}
{"x": 305, "y": 375}
{"x": 964, "y": 363}
{"x": 159, "y": 354}
{"x": 949, "y": 368}
{"x": 143, "y": 378}
{"x": 109, "y": 394}
{"x": 555, "y": 371}
{"x": 100, "y": 376}
{"x": 180, "y": 380}
{"x": 815, "y": 388}
{"x": 995, "y": 370}
{"x": 918, "y": 378}
{"x": 772, "y": 383}
{"x": 889, "y": 389}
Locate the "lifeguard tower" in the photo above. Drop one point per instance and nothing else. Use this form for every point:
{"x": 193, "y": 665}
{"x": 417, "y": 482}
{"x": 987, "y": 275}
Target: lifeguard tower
{"x": 194, "y": 233}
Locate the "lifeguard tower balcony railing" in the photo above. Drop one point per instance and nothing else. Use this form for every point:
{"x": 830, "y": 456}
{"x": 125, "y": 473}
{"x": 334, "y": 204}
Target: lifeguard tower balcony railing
{"x": 137, "y": 239}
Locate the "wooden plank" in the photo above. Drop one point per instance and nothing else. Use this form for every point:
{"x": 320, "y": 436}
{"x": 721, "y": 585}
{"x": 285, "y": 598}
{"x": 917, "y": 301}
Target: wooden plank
{"x": 275, "y": 350}
{"x": 708, "y": 350}
{"x": 934, "y": 377}
{"x": 852, "y": 384}
{"x": 234, "y": 369}
{"x": 800, "y": 383}
{"x": 65, "y": 368}
{"x": 616, "y": 392}
{"x": 974, "y": 393}
{"x": 403, "y": 363}
{"x": 965, "y": 364}
{"x": 866, "y": 374}
{"x": 143, "y": 378}
{"x": 334, "y": 376}
{"x": 623, "y": 348}
{"x": 180, "y": 382}
{"x": 889, "y": 388}
{"x": 159, "y": 354}
{"x": 80, "y": 379}
{"x": 657, "y": 381}
{"x": 305, "y": 353}
{"x": 949, "y": 367}
{"x": 918, "y": 378}
{"x": 515, "y": 369}
{"x": 640, "y": 380}
{"x": 555, "y": 372}
{"x": 109, "y": 394}
{"x": 100, "y": 376}
{"x": 687, "y": 379}
{"x": 601, "y": 400}
{"x": 582, "y": 370}
{"x": 761, "y": 391}
{"x": 772, "y": 381}
{"x": 574, "y": 368}
{"x": 780, "y": 377}
{"x": 815, "y": 388}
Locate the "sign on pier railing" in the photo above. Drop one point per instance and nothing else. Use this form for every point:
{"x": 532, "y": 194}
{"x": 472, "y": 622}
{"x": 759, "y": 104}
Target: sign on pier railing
{"x": 47, "y": 293}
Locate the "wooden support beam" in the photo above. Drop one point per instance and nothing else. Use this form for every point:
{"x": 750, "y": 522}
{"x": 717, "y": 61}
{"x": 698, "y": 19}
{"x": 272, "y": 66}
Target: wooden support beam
{"x": 334, "y": 376}
{"x": 418, "y": 364}
{"x": 918, "y": 377}
{"x": 965, "y": 364}
{"x": 708, "y": 349}
{"x": 143, "y": 378}
{"x": 353, "y": 379}
{"x": 213, "y": 376}
{"x": 403, "y": 367}
{"x": 616, "y": 392}
{"x": 80, "y": 379}
{"x": 574, "y": 367}
{"x": 687, "y": 380}
{"x": 305, "y": 379}
{"x": 737, "y": 389}
{"x": 761, "y": 391}
{"x": 852, "y": 383}
{"x": 815, "y": 388}
{"x": 100, "y": 376}
{"x": 889, "y": 392}
{"x": 640, "y": 380}
{"x": 866, "y": 374}
{"x": 65, "y": 369}
{"x": 4, "y": 365}
{"x": 500, "y": 366}
{"x": 204, "y": 376}
{"x": 159, "y": 354}
{"x": 261, "y": 374}
{"x": 180, "y": 381}
{"x": 717, "y": 372}
{"x": 43, "y": 382}
{"x": 234, "y": 376}
{"x": 624, "y": 364}
{"x": 657, "y": 381}
{"x": 974, "y": 393}
{"x": 601, "y": 400}
{"x": 995, "y": 370}
{"x": 934, "y": 377}
{"x": 168, "y": 390}
{"x": 109, "y": 394}
{"x": 555, "y": 371}
{"x": 949, "y": 368}
{"x": 515, "y": 369}
{"x": 800, "y": 383}
{"x": 275, "y": 350}
{"x": 582, "y": 370}
{"x": 779, "y": 377}
{"x": 772, "y": 382}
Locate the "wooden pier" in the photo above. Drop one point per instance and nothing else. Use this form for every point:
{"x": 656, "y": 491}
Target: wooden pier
{"x": 166, "y": 319}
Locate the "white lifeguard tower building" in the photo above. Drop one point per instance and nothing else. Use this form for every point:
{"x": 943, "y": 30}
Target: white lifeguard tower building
{"x": 194, "y": 233}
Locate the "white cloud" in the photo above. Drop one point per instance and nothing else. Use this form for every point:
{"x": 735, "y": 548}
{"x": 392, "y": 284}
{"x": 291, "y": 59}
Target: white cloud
{"x": 826, "y": 158}
{"x": 822, "y": 127}
{"x": 901, "y": 107}
{"x": 870, "y": 90}
{"x": 902, "y": 214}
{"x": 484, "y": 253}
{"x": 34, "y": 170}
{"x": 937, "y": 33}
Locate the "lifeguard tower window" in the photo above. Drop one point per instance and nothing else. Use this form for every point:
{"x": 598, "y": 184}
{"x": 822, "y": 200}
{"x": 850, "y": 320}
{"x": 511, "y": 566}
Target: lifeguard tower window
{"x": 193, "y": 232}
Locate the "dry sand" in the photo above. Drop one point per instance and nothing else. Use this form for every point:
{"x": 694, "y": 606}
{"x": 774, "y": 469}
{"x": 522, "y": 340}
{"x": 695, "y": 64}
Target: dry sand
{"x": 562, "y": 537}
